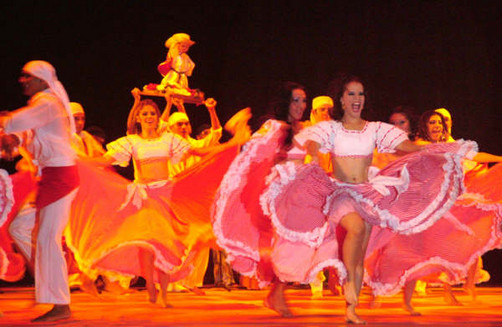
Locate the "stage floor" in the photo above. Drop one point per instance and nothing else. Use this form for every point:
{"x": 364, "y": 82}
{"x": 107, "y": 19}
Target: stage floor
{"x": 218, "y": 307}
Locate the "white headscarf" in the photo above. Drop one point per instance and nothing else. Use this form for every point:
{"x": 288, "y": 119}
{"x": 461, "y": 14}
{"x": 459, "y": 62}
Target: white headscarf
{"x": 45, "y": 71}
{"x": 76, "y": 108}
{"x": 176, "y": 117}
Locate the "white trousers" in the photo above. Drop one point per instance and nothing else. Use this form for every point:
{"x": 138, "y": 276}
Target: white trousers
{"x": 51, "y": 272}
{"x": 21, "y": 230}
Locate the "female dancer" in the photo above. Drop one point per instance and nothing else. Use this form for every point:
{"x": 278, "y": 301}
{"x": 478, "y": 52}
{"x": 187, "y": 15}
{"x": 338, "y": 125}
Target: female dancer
{"x": 404, "y": 118}
{"x": 147, "y": 231}
{"x": 242, "y": 229}
{"x": 399, "y": 197}
{"x": 468, "y": 230}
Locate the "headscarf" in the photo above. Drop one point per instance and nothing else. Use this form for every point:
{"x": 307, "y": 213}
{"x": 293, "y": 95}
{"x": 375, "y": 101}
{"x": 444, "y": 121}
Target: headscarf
{"x": 318, "y": 102}
{"x": 76, "y": 108}
{"x": 46, "y": 72}
{"x": 176, "y": 117}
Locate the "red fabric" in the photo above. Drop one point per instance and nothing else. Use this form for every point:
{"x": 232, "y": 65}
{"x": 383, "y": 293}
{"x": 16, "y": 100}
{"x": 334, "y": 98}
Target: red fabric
{"x": 171, "y": 221}
{"x": 22, "y": 184}
{"x": 164, "y": 67}
{"x": 56, "y": 182}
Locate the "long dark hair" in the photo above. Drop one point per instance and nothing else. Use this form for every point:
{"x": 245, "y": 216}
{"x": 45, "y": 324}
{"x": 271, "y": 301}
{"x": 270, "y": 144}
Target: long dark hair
{"x": 278, "y": 107}
{"x": 423, "y": 130}
{"x": 336, "y": 88}
{"x": 409, "y": 113}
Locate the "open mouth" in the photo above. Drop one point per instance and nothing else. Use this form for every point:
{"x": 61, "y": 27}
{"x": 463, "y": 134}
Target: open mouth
{"x": 436, "y": 133}
{"x": 356, "y": 106}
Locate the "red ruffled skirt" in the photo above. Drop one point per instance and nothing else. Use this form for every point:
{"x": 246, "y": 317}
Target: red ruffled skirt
{"x": 113, "y": 219}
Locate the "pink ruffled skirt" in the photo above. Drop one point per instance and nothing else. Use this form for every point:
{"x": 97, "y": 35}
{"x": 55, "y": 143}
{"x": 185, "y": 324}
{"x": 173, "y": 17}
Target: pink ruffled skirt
{"x": 305, "y": 205}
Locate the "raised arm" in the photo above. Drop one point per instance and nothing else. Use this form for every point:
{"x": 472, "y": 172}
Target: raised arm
{"x": 211, "y": 108}
{"x": 242, "y": 135}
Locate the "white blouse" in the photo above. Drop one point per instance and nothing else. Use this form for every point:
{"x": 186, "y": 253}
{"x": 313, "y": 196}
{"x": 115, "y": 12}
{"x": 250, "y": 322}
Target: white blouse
{"x": 342, "y": 142}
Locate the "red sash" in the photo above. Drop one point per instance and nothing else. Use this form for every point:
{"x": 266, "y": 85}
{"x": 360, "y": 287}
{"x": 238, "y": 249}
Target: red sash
{"x": 56, "y": 182}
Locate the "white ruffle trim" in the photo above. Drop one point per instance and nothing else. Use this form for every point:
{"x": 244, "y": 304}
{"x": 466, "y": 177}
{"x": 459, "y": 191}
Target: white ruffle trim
{"x": 235, "y": 179}
{"x": 7, "y": 198}
{"x": 433, "y": 212}
{"x": 388, "y": 289}
{"x": 282, "y": 175}
{"x": 456, "y": 272}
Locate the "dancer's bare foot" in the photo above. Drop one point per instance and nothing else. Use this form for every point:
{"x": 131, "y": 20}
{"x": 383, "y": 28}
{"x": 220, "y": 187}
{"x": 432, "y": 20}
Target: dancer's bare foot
{"x": 374, "y": 304}
{"x": 58, "y": 312}
{"x": 351, "y": 316}
{"x": 197, "y": 290}
{"x": 408, "y": 307}
{"x": 450, "y": 299}
{"x": 152, "y": 292}
{"x": 277, "y": 302}
{"x": 350, "y": 293}
{"x": 88, "y": 286}
{"x": 114, "y": 287}
{"x": 163, "y": 301}
{"x": 471, "y": 290}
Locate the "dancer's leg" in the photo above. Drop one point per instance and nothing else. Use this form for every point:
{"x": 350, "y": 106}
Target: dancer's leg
{"x": 164, "y": 282}
{"x": 21, "y": 231}
{"x": 146, "y": 260}
{"x": 51, "y": 273}
{"x": 408, "y": 290}
{"x": 470, "y": 283}
{"x": 353, "y": 255}
{"x": 449, "y": 297}
{"x": 360, "y": 264}
{"x": 276, "y": 300}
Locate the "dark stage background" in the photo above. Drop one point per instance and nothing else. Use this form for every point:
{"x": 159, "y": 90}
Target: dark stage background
{"x": 427, "y": 54}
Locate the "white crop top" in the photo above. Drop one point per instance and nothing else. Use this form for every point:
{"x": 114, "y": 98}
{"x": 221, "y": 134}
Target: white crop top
{"x": 341, "y": 142}
{"x": 168, "y": 145}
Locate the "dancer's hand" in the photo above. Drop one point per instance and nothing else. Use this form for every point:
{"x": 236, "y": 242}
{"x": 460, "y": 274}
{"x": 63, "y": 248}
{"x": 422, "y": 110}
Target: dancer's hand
{"x": 9, "y": 146}
{"x": 238, "y": 121}
{"x": 136, "y": 94}
{"x": 210, "y": 104}
{"x": 242, "y": 135}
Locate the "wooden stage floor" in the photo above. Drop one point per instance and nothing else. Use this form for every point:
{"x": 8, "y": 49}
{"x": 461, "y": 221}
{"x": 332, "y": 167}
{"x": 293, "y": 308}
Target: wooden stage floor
{"x": 244, "y": 308}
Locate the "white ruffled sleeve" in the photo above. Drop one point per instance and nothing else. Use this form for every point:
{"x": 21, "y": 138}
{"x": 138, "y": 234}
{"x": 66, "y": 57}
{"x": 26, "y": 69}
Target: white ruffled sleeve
{"x": 322, "y": 133}
{"x": 120, "y": 150}
{"x": 388, "y": 137}
{"x": 177, "y": 146}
